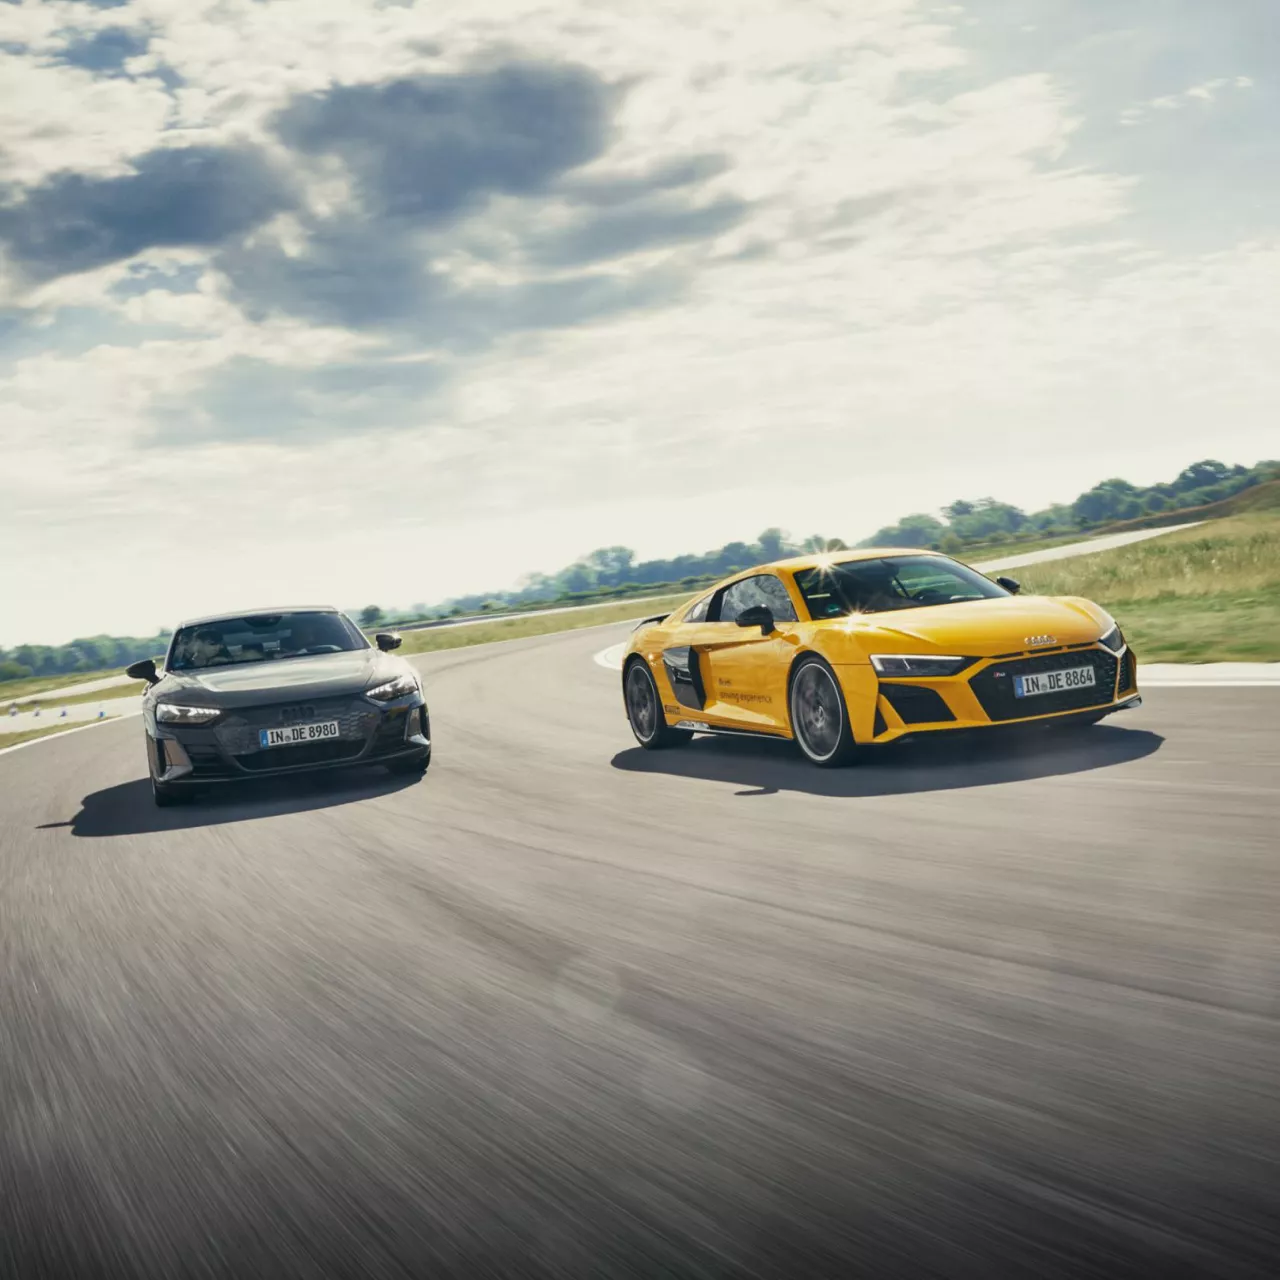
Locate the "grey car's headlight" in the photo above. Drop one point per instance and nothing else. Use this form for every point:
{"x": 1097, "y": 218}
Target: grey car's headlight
{"x": 175, "y": 713}
{"x": 1114, "y": 639}
{"x": 397, "y": 688}
{"x": 916, "y": 664}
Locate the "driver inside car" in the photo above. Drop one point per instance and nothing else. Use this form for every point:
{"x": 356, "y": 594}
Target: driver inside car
{"x": 875, "y": 594}
{"x": 207, "y": 649}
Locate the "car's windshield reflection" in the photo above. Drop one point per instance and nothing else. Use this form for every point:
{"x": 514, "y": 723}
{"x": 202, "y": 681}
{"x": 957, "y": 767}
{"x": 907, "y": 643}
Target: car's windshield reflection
{"x": 889, "y": 583}
{"x": 263, "y": 638}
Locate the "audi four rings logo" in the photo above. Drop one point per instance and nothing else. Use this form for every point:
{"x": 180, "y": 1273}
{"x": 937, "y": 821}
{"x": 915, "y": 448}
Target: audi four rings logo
{"x": 1035, "y": 642}
{"x": 296, "y": 713}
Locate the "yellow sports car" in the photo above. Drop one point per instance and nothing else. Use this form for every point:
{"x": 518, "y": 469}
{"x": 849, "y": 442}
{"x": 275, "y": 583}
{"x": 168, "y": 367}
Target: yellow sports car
{"x": 842, "y": 650}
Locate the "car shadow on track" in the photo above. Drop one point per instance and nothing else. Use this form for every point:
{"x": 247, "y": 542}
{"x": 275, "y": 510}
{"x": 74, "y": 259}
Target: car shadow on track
{"x": 127, "y": 809}
{"x": 906, "y": 768}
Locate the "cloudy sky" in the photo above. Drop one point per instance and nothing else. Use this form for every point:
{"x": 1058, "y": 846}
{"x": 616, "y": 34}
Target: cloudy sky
{"x": 359, "y": 301}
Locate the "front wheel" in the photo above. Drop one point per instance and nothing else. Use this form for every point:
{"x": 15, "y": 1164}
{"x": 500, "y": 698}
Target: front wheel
{"x": 644, "y": 710}
{"x": 819, "y": 717}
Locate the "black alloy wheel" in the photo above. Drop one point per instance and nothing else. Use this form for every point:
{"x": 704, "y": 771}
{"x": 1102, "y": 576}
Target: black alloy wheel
{"x": 819, "y": 717}
{"x": 644, "y": 710}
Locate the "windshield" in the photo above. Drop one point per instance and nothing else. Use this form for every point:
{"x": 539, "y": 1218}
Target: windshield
{"x": 262, "y": 637}
{"x": 891, "y": 582}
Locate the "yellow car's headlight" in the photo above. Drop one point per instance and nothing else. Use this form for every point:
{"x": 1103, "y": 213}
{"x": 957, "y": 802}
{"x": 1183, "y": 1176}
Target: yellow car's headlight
{"x": 918, "y": 664}
{"x": 1113, "y": 640}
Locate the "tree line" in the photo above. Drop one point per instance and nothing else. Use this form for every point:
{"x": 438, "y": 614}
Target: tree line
{"x": 966, "y": 522}
{"x": 610, "y": 572}
{"x": 90, "y": 653}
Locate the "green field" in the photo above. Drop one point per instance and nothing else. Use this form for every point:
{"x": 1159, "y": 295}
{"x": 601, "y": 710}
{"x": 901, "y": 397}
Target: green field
{"x": 26, "y": 735}
{"x": 102, "y": 695}
{"x": 16, "y": 690}
{"x": 512, "y": 628}
{"x": 1209, "y": 594}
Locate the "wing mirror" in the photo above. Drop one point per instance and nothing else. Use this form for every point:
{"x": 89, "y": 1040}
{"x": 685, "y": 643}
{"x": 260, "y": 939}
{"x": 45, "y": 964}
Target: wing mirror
{"x": 1011, "y": 585}
{"x": 758, "y": 615}
{"x": 387, "y": 640}
{"x": 144, "y": 670}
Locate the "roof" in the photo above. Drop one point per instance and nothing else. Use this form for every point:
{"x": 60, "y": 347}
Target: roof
{"x": 228, "y": 614}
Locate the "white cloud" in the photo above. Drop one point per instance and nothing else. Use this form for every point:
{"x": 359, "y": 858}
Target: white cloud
{"x": 932, "y": 293}
{"x": 1206, "y": 91}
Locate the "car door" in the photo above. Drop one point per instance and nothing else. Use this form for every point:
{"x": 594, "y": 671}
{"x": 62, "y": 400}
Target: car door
{"x": 745, "y": 670}
{"x": 683, "y": 665}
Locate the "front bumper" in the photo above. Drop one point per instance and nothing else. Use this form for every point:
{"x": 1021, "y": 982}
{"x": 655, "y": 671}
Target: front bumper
{"x": 982, "y": 696}
{"x": 229, "y": 750}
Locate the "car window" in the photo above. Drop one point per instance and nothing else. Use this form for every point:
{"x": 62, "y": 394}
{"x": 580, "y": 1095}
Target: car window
{"x": 698, "y": 611}
{"x": 891, "y": 582}
{"x": 262, "y": 637}
{"x": 763, "y": 589}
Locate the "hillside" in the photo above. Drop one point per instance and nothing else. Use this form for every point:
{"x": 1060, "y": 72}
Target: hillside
{"x": 1208, "y": 594}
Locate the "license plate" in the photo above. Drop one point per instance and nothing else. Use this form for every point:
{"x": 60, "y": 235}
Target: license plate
{"x": 1054, "y": 682}
{"x": 292, "y": 734}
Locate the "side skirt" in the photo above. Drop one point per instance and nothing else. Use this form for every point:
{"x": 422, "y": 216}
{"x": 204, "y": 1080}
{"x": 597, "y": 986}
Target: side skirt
{"x": 701, "y": 726}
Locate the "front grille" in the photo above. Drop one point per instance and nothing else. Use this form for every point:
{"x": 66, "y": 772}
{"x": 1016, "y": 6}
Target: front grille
{"x": 303, "y": 754}
{"x": 237, "y": 731}
{"x": 915, "y": 704}
{"x": 993, "y": 686}
{"x": 1128, "y": 672}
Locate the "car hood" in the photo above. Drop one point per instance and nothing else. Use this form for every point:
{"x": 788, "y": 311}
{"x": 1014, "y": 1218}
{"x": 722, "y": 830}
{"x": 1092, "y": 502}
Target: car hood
{"x": 980, "y": 628}
{"x": 325, "y": 675}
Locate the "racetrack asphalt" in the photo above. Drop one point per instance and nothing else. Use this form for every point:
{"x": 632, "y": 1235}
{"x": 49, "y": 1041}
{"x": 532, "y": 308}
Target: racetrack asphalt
{"x": 564, "y": 1008}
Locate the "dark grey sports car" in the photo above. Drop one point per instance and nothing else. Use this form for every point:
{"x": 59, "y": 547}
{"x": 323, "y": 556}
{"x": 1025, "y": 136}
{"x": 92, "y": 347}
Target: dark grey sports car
{"x": 274, "y": 692}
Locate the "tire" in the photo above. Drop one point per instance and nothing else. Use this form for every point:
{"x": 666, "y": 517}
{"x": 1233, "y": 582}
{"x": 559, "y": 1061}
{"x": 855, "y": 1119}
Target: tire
{"x": 819, "y": 716}
{"x": 644, "y": 710}
{"x": 415, "y": 765}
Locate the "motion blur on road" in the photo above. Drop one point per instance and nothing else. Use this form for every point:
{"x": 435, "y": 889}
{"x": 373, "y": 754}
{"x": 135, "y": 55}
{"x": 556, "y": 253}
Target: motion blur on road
{"x": 564, "y": 1008}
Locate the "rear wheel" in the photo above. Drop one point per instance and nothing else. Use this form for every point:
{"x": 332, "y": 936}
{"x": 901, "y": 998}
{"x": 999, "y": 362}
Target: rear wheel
{"x": 819, "y": 717}
{"x": 644, "y": 710}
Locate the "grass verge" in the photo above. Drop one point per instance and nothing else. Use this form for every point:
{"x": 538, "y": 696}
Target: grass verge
{"x": 102, "y": 695}
{"x": 12, "y": 690}
{"x": 27, "y": 735}
{"x": 1209, "y": 594}
{"x": 514, "y": 628}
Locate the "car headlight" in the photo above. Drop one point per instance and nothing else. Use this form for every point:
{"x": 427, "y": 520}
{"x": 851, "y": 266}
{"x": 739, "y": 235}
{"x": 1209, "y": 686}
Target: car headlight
{"x": 396, "y": 688}
{"x": 175, "y": 713}
{"x": 915, "y": 664}
{"x": 1114, "y": 639}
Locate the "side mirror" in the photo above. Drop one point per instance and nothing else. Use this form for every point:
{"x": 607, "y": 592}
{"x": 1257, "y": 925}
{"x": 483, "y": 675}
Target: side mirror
{"x": 387, "y": 640}
{"x": 144, "y": 670}
{"x": 1011, "y": 585}
{"x": 758, "y": 615}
